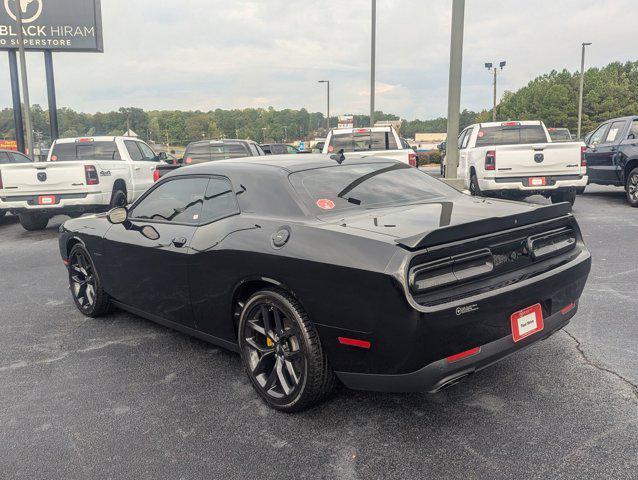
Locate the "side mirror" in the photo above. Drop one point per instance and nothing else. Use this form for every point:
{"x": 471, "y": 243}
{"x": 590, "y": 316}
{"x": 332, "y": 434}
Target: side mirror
{"x": 162, "y": 157}
{"x": 117, "y": 215}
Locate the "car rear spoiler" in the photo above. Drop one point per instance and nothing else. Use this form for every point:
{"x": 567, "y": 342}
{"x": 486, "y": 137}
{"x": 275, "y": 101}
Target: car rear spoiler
{"x": 485, "y": 226}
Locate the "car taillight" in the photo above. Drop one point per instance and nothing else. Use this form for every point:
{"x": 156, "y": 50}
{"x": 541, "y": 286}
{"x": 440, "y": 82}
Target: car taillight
{"x": 91, "y": 175}
{"x": 583, "y": 157}
{"x": 156, "y": 175}
{"x": 412, "y": 159}
{"x": 490, "y": 160}
{"x": 188, "y": 160}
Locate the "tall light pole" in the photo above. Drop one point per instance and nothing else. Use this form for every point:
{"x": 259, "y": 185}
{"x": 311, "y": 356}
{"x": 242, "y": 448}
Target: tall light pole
{"x": 25, "y": 83}
{"x": 491, "y": 67}
{"x": 373, "y": 49}
{"x": 580, "y": 93}
{"x": 327, "y": 82}
{"x": 454, "y": 92}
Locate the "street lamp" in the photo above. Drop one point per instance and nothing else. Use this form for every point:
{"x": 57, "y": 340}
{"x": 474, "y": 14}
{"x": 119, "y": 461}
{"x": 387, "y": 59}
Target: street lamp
{"x": 490, "y": 67}
{"x": 580, "y": 93}
{"x": 327, "y": 82}
{"x": 373, "y": 47}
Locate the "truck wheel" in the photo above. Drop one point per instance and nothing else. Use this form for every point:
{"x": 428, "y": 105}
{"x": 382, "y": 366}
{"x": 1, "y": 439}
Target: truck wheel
{"x": 33, "y": 221}
{"x": 632, "y": 188}
{"x": 568, "y": 196}
{"x": 118, "y": 199}
{"x": 475, "y": 188}
{"x": 580, "y": 190}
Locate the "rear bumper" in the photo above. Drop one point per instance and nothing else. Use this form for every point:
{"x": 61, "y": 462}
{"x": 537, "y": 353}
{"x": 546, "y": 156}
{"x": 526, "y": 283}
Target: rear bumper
{"x": 442, "y": 373}
{"x": 521, "y": 184}
{"x": 66, "y": 202}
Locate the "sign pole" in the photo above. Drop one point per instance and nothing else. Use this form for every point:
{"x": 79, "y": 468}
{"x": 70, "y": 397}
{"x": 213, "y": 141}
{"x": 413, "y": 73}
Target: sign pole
{"x": 15, "y": 94}
{"x": 25, "y": 83}
{"x": 53, "y": 107}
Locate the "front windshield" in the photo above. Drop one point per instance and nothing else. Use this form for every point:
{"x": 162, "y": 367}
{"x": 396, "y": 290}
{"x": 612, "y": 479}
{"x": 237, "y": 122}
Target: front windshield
{"x": 365, "y": 186}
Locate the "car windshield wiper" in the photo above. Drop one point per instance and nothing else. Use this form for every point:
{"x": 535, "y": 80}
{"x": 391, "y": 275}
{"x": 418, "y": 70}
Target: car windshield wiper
{"x": 351, "y": 186}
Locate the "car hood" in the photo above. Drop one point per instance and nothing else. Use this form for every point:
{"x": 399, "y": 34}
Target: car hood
{"x": 426, "y": 224}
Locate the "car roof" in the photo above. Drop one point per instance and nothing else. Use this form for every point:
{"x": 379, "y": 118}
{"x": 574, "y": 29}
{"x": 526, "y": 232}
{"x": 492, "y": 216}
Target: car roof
{"x": 96, "y": 138}
{"x": 220, "y": 140}
{"x": 290, "y": 163}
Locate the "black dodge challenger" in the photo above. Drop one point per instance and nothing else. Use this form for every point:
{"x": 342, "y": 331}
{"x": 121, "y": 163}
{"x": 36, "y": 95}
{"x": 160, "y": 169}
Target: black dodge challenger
{"x": 322, "y": 269}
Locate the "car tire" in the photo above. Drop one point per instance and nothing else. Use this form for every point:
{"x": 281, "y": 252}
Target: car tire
{"x": 2, "y": 213}
{"x": 85, "y": 284}
{"x": 33, "y": 221}
{"x": 475, "y": 188}
{"x": 118, "y": 199}
{"x": 631, "y": 187}
{"x": 580, "y": 190}
{"x": 564, "y": 196}
{"x": 282, "y": 352}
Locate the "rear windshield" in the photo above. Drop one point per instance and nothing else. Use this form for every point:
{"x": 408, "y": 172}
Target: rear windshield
{"x": 362, "y": 141}
{"x": 559, "y": 135}
{"x": 205, "y": 152}
{"x": 63, "y": 152}
{"x": 510, "y": 135}
{"x": 365, "y": 186}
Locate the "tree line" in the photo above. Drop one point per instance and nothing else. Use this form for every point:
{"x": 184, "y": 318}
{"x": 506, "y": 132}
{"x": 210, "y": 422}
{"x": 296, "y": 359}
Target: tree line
{"x": 609, "y": 92}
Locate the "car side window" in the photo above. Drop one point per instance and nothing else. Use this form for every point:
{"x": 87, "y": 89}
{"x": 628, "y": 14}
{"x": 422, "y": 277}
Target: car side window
{"x": 291, "y": 150}
{"x": 466, "y": 138}
{"x": 147, "y": 152}
{"x": 133, "y": 150}
{"x": 219, "y": 201}
{"x": 176, "y": 201}
{"x": 253, "y": 150}
{"x": 462, "y": 139}
{"x": 633, "y": 131}
{"x": 614, "y": 131}
{"x": 597, "y": 136}
{"x": 4, "y": 158}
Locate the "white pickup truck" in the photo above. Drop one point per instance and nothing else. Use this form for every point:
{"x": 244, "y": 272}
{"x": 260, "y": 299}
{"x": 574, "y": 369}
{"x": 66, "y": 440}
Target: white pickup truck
{"x": 518, "y": 159}
{"x": 375, "y": 141}
{"x": 80, "y": 175}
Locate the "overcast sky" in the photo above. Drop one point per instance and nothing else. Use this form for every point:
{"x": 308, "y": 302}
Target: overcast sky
{"x": 207, "y": 54}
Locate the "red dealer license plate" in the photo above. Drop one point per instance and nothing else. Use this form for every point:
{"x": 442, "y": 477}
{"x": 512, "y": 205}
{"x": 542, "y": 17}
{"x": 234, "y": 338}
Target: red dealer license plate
{"x": 46, "y": 200}
{"x": 526, "y": 322}
{"x": 537, "y": 182}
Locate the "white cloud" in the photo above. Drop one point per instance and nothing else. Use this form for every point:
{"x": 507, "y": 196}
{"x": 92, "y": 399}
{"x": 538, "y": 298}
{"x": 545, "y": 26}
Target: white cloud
{"x": 205, "y": 54}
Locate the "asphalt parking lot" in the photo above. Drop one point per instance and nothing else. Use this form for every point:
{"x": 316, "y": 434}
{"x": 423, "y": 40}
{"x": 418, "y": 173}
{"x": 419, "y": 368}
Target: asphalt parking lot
{"x": 121, "y": 397}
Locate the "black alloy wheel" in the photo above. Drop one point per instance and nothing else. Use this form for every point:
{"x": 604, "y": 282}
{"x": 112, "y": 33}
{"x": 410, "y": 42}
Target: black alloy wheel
{"x": 118, "y": 199}
{"x": 84, "y": 283}
{"x": 282, "y": 353}
{"x": 632, "y": 188}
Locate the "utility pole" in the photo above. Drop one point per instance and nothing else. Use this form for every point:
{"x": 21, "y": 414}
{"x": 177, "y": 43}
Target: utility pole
{"x": 25, "y": 83}
{"x": 327, "y": 82}
{"x": 489, "y": 67}
{"x": 373, "y": 48}
{"x": 582, "y": 84}
{"x": 454, "y": 93}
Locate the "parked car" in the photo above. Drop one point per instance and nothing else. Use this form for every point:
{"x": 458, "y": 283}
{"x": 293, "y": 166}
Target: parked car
{"x": 377, "y": 141}
{"x": 559, "y": 134}
{"x": 88, "y": 174}
{"x": 612, "y": 156}
{"x": 315, "y": 269}
{"x": 518, "y": 159}
{"x": 8, "y": 157}
{"x": 210, "y": 150}
{"x": 278, "y": 149}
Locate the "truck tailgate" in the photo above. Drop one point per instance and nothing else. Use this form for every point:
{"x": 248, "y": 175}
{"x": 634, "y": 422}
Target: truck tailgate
{"x": 538, "y": 159}
{"x": 400, "y": 155}
{"x": 43, "y": 177}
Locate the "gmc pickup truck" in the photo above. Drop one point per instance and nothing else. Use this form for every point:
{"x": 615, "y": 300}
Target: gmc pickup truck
{"x": 81, "y": 175}
{"x": 612, "y": 156}
{"x": 519, "y": 159}
{"x": 363, "y": 142}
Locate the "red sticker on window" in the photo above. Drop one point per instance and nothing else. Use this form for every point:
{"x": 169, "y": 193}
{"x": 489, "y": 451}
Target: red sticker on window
{"x": 325, "y": 204}
{"x": 481, "y": 133}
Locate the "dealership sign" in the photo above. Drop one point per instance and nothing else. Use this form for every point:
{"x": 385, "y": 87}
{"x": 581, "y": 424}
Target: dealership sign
{"x": 58, "y": 25}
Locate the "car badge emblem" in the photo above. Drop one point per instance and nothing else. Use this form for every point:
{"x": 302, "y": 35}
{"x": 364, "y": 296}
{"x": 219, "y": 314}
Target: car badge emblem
{"x": 539, "y": 157}
{"x": 42, "y": 176}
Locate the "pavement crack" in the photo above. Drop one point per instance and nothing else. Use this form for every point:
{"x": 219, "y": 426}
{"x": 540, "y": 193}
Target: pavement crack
{"x": 601, "y": 368}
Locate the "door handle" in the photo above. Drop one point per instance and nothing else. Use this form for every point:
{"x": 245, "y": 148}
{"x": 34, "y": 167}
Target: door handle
{"x": 179, "y": 242}
{"x": 137, "y": 169}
